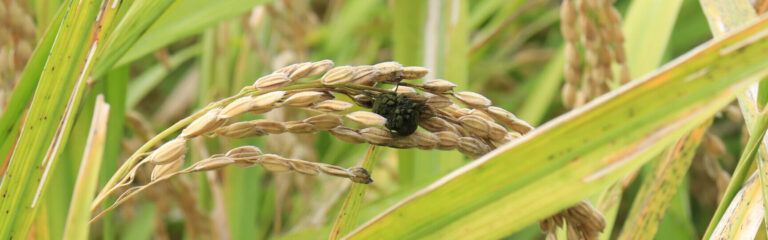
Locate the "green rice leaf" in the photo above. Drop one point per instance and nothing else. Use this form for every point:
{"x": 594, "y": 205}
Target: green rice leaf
{"x": 48, "y": 122}
{"x": 137, "y": 19}
{"x": 27, "y": 84}
{"x": 184, "y": 19}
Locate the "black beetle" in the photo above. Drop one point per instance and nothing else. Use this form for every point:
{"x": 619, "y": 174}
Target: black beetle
{"x": 402, "y": 113}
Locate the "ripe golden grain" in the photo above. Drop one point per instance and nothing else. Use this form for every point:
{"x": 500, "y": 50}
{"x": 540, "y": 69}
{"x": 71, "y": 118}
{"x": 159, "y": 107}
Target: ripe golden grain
{"x": 165, "y": 170}
{"x": 272, "y": 81}
{"x": 332, "y": 105}
{"x": 320, "y": 67}
{"x": 274, "y": 163}
{"x": 243, "y": 151}
{"x": 304, "y": 167}
{"x": 169, "y": 152}
{"x": 472, "y": 146}
{"x": 425, "y": 140}
{"x": 473, "y": 99}
{"x": 414, "y": 72}
{"x": 237, "y": 107}
{"x": 267, "y": 100}
{"x": 496, "y": 132}
{"x": 269, "y": 126}
{"x": 204, "y": 124}
{"x": 324, "y": 121}
{"x": 388, "y": 68}
{"x": 363, "y": 100}
{"x": 364, "y": 75}
{"x": 447, "y": 140}
{"x": 434, "y": 124}
{"x": 438, "y": 101}
{"x": 213, "y": 163}
{"x": 438, "y": 85}
{"x": 301, "y": 71}
{"x": 402, "y": 142}
{"x": 403, "y": 90}
{"x": 303, "y": 99}
{"x": 377, "y": 136}
{"x": 299, "y": 127}
{"x": 240, "y": 130}
{"x": 509, "y": 120}
{"x": 338, "y": 75}
{"x": 476, "y": 125}
{"x": 367, "y": 118}
{"x": 347, "y": 134}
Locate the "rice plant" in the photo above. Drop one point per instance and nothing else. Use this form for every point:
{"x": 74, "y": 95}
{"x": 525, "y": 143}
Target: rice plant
{"x": 285, "y": 119}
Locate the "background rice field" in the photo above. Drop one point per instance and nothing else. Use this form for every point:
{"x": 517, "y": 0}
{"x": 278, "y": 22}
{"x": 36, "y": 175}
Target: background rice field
{"x": 635, "y": 119}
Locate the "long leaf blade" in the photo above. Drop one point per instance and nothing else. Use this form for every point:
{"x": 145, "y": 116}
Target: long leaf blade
{"x": 48, "y": 122}
{"x": 27, "y": 83}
